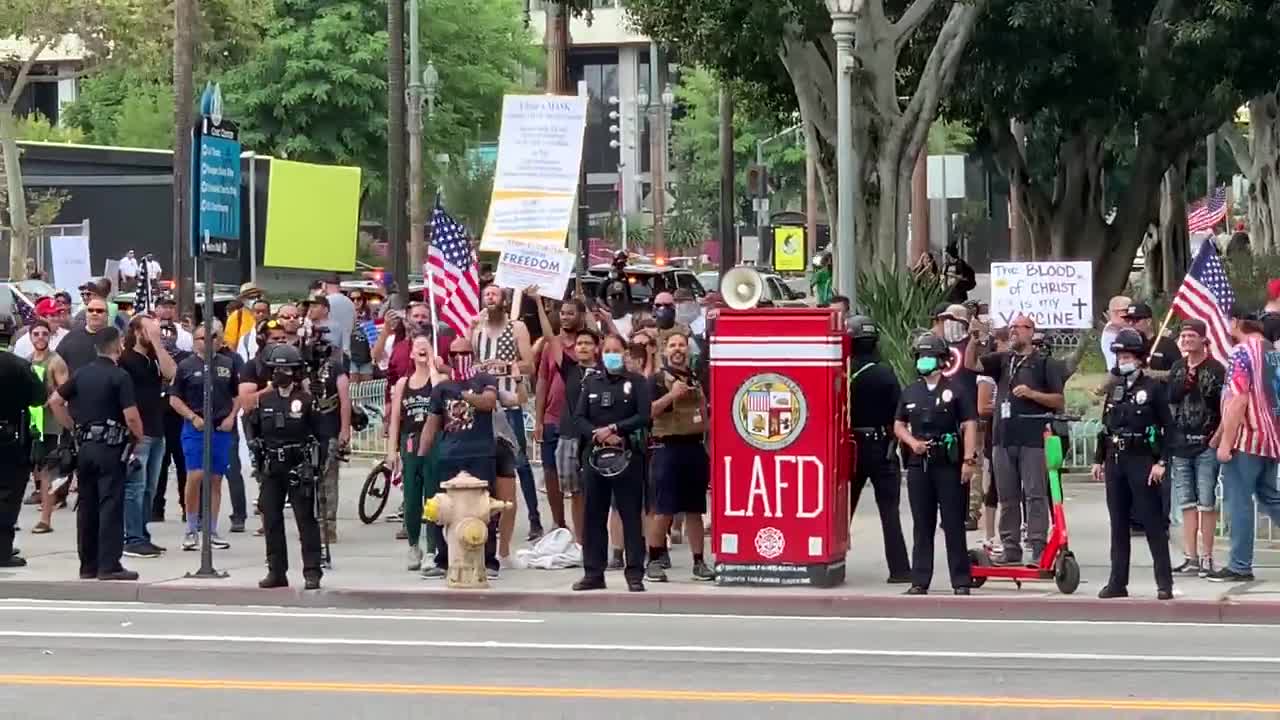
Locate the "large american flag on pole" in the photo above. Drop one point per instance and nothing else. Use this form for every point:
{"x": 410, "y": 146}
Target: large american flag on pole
{"x": 454, "y": 272}
{"x": 1207, "y": 212}
{"x": 1206, "y": 295}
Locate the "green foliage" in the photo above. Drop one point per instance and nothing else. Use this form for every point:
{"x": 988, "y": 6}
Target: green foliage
{"x": 685, "y": 230}
{"x": 121, "y": 108}
{"x": 467, "y": 189}
{"x": 947, "y": 138}
{"x": 37, "y": 128}
{"x": 901, "y": 305}
{"x": 1249, "y": 275}
{"x": 696, "y": 148}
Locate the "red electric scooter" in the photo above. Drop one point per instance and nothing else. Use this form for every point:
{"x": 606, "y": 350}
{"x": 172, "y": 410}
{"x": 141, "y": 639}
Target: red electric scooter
{"x": 1056, "y": 563}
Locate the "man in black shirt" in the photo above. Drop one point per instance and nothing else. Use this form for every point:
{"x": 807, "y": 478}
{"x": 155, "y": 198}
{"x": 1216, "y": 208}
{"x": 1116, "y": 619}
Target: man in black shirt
{"x": 186, "y": 396}
{"x": 105, "y": 414}
{"x": 873, "y": 400}
{"x": 1027, "y": 384}
{"x": 1195, "y": 400}
{"x": 461, "y": 421}
{"x": 78, "y": 348}
{"x": 1163, "y": 350}
{"x": 149, "y": 366}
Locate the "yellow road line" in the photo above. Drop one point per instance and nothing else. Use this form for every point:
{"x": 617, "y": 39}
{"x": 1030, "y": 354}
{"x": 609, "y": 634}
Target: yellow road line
{"x": 712, "y": 696}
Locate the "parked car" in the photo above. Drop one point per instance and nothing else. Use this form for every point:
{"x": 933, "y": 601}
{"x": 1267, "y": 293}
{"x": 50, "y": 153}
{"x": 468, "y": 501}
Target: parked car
{"x": 648, "y": 280}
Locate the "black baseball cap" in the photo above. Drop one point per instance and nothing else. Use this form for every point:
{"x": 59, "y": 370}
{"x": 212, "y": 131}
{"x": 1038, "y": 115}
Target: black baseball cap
{"x": 166, "y": 300}
{"x": 1138, "y": 311}
{"x": 1196, "y": 326}
{"x": 1239, "y": 311}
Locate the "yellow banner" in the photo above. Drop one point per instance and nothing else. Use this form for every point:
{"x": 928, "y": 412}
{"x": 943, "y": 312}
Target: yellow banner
{"x": 313, "y": 214}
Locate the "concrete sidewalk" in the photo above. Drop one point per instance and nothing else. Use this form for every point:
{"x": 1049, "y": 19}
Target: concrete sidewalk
{"x": 369, "y": 571}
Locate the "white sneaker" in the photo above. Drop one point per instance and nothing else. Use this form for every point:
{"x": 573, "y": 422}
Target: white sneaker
{"x": 190, "y": 541}
{"x": 218, "y": 542}
{"x": 415, "y": 558}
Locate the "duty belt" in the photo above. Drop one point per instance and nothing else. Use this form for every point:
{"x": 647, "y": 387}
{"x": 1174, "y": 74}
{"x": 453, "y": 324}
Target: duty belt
{"x": 1129, "y": 442}
{"x": 109, "y": 433}
{"x": 11, "y": 433}
{"x": 293, "y": 452}
{"x": 872, "y": 433}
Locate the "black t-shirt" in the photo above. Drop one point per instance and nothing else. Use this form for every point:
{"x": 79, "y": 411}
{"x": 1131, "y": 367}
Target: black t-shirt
{"x": 148, "y": 384}
{"x": 873, "y": 395}
{"x": 99, "y": 392}
{"x": 324, "y": 388}
{"x": 188, "y": 385}
{"x": 466, "y": 431}
{"x": 22, "y": 388}
{"x": 256, "y": 371}
{"x": 1165, "y": 355}
{"x": 572, "y": 374}
{"x": 415, "y": 406}
{"x": 934, "y": 412}
{"x": 1195, "y": 401}
{"x": 1011, "y": 370}
{"x": 77, "y": 349}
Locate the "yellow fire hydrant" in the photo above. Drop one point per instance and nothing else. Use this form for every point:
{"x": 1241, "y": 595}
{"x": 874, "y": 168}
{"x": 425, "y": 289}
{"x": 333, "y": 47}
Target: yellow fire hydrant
{"x": 464, "y": 511}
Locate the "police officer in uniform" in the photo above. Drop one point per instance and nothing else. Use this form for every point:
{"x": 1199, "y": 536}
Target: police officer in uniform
{"x": 22, "y": 389}
{"x": 873, "y": 398}
{"x": 1130, "y": 458}
{"x": 611, "y": 407}
{"x": 284, "y": 439}
{"x": 937, "y": 426}
{"x": 105, "y": 414}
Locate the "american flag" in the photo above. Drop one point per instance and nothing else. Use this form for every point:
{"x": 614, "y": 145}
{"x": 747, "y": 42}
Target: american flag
{"x": 26, "y": 311}
{"x": 1246, "y": 376}
{"x": 454, "y": 272}
{"x": 1207, "y": 212}
{"x": 1206, "y": 295}
{"x": 758, "y": 401}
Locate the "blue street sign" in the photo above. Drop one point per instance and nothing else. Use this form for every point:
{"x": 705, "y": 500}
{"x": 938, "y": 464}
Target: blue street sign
{"x": 215, "y": 182}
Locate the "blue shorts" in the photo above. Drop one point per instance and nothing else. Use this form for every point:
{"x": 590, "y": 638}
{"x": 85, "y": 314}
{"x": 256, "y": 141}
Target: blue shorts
{"x": 219, "y": 451}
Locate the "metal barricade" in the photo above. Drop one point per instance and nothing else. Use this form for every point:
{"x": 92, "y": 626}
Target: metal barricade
{"x": 370, "y": 397}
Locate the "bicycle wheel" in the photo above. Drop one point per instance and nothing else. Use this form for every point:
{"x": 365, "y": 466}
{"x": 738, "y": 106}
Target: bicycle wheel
{"x": 374, "y": 494}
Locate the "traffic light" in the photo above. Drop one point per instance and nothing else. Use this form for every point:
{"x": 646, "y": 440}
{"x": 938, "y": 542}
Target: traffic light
{"x": 757, "y": 181}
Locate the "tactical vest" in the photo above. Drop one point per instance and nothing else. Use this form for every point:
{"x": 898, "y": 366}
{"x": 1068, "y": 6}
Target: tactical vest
{"x": 686, "y": 416}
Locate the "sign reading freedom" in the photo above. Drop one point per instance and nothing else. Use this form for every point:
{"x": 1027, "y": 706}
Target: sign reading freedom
{"x": 1053, "y": 294}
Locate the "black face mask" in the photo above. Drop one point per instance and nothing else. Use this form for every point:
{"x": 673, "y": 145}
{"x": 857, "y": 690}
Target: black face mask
{"x": 665, "y": 315}
{"x": 618, "y": 306}
{"x": 282, "y": 378}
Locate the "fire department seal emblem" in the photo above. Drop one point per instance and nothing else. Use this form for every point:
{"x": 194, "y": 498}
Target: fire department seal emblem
{"x": 770, "y": 542}
{"x": 769, "y": 411}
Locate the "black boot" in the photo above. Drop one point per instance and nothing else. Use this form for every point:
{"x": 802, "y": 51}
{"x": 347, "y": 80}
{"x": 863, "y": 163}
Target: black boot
{"x": 272, "y": 580}
{"x": 313, "y": 582}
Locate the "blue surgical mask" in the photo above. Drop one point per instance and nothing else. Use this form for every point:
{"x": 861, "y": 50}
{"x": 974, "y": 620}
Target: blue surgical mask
{"x": 612, "y": 361}
{"x": 926, "y": 365}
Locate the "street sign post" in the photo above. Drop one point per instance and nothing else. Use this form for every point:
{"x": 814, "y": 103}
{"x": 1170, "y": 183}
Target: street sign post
{"x": 215, "y": 234}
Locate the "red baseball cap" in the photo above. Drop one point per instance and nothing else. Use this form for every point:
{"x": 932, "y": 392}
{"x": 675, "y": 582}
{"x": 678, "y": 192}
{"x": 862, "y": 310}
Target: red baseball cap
{"x": 46, "y": 307}
{"x": 1273, "y": 289}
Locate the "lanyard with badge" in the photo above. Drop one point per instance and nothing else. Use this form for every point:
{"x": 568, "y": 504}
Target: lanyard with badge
{"x": 1015, "y": 365}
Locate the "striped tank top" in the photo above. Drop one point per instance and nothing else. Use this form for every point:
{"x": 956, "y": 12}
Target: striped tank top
{"x": 499, "y": 346}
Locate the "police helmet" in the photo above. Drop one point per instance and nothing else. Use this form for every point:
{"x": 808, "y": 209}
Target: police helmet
{"x": 863, "y": 328}
{"x": 283, "y": 356}
{"x": 609, "y": 461}
{"x": 1130, "y": 341}
{"x": 930, "y": 345}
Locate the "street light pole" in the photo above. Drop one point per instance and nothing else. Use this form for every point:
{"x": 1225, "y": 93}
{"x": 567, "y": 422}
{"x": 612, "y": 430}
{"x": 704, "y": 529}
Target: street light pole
{"x": 413, "y": 100}
{"x": 843, "y": 17}
{"x": 658, "y": 169}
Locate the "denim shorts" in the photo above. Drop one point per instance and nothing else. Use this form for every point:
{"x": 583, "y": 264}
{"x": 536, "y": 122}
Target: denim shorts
{"x": 1195, "y": 481}
{"x": 550, "y": 441}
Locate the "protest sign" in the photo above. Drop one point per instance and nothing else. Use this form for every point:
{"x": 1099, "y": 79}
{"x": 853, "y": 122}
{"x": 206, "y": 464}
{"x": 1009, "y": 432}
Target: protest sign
{"x": 69, "y": 260}
{"x": 1053, "y": 294}
{"x": 522, "y": 265}
{"x": 536, "y": 179}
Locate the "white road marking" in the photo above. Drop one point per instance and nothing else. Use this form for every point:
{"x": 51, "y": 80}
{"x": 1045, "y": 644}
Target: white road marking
{"x": 155, "y": 610}
{"x": 940, "y": 620}
{"x": 630, "y": 648}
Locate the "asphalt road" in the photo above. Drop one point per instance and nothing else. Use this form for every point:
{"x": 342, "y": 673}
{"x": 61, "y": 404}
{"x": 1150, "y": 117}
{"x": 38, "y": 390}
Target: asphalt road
{"x": 60, "y": 660}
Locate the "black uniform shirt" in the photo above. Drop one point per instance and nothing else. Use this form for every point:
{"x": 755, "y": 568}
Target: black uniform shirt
{"x": 1131, "y": 410}
{"x": 188, "y": 385}
{"x": 99, "y": 392}
{"x": 22, "y": 389}
{"x": 1166, "y": 353}
{"x": 1195, "y": 404}
{"x": 621, "y": 399}
{"x": 873, "y": 394}
{"x": 285, "y": 420}
{"x": 932, "y": 413}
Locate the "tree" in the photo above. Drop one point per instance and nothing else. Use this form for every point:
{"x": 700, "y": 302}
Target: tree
{"x": 1258, "y": 155}
{"x": 905, "y": 59}
{"x": 39, "y": 27}
{"x": 1087, "y": 77}
{"x": 696, "y": 149}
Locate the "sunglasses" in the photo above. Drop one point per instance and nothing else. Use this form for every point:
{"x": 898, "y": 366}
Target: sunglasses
{"x": 39, "y": 334}
{"x": 288, "y": 317}
{"x": 95, "y": 311}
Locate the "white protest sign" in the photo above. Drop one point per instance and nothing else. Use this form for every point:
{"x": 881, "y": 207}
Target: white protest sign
{"x": 536, "y": 179}
{"x": 1053, "y": 294}
{"x": 522, "y": 265}
{"x": 69, "y": 258}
